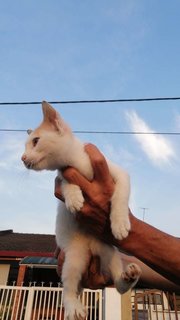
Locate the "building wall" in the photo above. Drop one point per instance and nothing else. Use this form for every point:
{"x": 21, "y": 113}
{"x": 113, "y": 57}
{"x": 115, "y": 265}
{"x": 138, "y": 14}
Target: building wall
{"x": 4, "y": 273}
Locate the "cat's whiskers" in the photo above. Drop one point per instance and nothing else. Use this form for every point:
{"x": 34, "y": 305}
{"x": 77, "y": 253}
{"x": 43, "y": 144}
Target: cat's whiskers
{"x": 32, "y": 164}
{"x": 29, "y": 164}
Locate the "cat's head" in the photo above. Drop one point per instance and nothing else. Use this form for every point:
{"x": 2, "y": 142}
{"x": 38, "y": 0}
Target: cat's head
{"x": 47, "y": 145}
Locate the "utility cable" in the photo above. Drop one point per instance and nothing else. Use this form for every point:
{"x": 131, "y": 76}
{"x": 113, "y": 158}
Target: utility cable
{"x": 92, "y": 101}
{"x": 105, "y": 132}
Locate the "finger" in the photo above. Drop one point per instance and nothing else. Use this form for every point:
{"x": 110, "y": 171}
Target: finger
{"x": 61, "y": 258}
{"x": 96, "y": 278}
{"x": 95, "y": 265}
{"x": 57, "y": 252}
{"x": 57, "y": 189}
{"x": 92, "y": 226}
{"x": 73, "y": 176}
{"x": 89, "y": 211}
{"x": 98, "y": 161}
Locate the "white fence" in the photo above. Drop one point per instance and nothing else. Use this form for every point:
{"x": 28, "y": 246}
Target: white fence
{"x": 43, "y": 303}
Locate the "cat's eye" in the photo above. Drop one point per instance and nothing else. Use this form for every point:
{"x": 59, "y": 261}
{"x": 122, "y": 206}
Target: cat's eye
{"x": 35, "y": 141}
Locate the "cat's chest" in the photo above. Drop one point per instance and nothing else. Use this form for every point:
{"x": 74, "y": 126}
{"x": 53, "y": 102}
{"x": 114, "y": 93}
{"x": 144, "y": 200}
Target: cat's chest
{"x": 87, "y": 172}
{"x": 83, "y": 167}
{"x": 82, "y": 163}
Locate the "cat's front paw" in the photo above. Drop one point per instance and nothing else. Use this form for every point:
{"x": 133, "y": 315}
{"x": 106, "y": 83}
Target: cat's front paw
{"x": 74, "y": 199}
{"x": 120, "y": 227}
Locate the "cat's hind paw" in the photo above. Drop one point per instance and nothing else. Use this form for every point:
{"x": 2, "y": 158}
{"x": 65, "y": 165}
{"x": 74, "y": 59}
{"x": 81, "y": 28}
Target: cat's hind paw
{"x": 74, "y": 199}
{"x": 128, "y": 278}
{"x": 75, "y": 310}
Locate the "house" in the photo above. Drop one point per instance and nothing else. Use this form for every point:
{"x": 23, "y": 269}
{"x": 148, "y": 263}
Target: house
{"x": 27, "y": 257}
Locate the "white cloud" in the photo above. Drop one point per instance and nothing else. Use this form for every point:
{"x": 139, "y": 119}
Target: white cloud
{"x": 157, "y": 148}
{"x": 118, "y": 155}
{"x": 11, "y": 167}
{"x": 12, "y": 147}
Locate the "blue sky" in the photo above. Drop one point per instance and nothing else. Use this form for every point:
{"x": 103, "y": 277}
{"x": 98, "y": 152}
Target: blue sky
{"x": 68, "y": 50}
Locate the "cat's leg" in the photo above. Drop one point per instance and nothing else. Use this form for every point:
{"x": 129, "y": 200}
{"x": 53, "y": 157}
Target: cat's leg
{"x": 124, "y": 278}
{"x": 119, "y": 216}
{"x": 111, "y": 262}
{"x": 73, "y": 196}
{"x": 76, "y": 261}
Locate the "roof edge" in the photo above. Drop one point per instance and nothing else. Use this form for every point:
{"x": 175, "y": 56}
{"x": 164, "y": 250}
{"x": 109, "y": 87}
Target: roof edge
{"x": 21, "y": 254}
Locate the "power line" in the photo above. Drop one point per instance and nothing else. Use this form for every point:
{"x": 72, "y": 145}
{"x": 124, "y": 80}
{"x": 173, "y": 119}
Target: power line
{"x": 96, "y": 101}
{"x": 92, "y": 101}
{"x": 105, "y": 132}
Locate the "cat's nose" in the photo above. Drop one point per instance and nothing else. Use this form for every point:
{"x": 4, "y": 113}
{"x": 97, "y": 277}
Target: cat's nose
{"x": 24, "y": 157}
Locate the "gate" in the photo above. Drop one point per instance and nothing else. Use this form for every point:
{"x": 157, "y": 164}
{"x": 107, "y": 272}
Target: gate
{"x": 43, "y": 303}
{"x": 154, "y": 305}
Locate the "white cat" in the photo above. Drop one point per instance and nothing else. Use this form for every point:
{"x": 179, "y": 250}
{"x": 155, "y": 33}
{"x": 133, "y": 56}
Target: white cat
{"x": 53, "y": 146}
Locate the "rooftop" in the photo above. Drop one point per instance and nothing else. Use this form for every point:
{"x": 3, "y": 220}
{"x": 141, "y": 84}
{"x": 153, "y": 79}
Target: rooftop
{"x": 22, "y": 244}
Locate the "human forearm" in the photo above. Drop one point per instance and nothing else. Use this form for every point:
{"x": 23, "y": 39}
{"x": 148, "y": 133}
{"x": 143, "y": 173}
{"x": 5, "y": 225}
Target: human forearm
{"x": 150, "y": 278}
{"x": 150, "y": 245}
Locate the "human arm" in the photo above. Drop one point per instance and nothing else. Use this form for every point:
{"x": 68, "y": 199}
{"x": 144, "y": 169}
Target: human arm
{"x": 155, "y": 248}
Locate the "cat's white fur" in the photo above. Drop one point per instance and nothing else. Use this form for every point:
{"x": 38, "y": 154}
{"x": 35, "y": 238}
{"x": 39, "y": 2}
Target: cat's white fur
{"x": 53, "y": 146}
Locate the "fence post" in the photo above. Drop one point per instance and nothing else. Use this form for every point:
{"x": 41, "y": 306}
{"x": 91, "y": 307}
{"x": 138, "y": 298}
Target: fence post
{"x": 111, "y": 304}
{"x": 29, "y": 304}
{"x": 21, "y": 275}
{"x": 126, "y": 309}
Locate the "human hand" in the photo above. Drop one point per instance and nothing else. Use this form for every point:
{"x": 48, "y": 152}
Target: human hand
{"x": 97, "y": 193}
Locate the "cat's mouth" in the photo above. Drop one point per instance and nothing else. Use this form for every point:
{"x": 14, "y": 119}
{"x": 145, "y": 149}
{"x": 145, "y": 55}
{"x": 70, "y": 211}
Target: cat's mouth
{"x": 34, "y": 165}
{"x": 31, "y": 165}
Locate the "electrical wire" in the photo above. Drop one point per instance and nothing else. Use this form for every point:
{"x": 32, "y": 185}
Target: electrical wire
{"x": 92, "y": 101}
{"x": 105, "y": 132}
{"x": 96, "y": 101}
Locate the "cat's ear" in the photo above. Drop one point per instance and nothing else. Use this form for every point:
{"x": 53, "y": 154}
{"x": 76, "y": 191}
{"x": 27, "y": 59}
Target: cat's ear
{"x": 52, "y": 116}
{"x": 29, "y": 131}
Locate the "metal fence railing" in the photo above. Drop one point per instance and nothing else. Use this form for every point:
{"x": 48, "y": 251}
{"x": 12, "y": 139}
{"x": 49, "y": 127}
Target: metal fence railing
{"x": 155, "y": 305}
{"x": 43, "y": 303}
{"x": 46, "y": 303}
